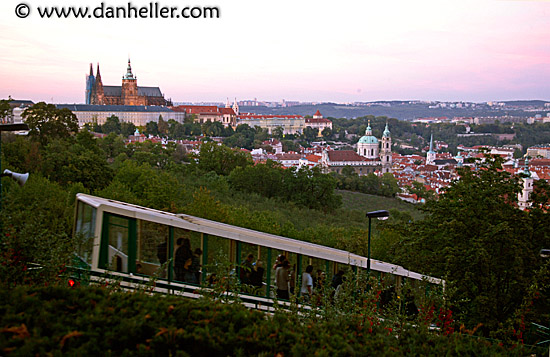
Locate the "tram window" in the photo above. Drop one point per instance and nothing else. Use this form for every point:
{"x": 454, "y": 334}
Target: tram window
{"x": 217, "y": 260}
{"x": 118, "y": 243}
{"x": 252, "y": 269}
{"x": 275, "y": 254}
{"x": 294, "y": 275}
{"x": 320, "y": 276}
{"x": 152, "y": 248}
{"x": 85, "y": 231}
{"x": 187, "y": 256}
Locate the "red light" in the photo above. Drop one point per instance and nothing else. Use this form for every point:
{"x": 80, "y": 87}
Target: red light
{"x": 71, "y": 283}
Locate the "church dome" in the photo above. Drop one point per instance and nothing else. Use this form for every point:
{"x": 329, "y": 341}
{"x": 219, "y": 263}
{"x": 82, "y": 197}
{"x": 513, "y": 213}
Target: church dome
{"x": 368, "y": 138}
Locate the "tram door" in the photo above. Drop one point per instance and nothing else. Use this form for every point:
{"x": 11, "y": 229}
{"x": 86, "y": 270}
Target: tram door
{"x": 118, "y": 245}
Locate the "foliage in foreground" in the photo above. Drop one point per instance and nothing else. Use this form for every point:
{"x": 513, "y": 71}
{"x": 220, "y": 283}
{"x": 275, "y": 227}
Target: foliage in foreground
{"x": 484, "y": 246}
{"x": 99, "y": 321}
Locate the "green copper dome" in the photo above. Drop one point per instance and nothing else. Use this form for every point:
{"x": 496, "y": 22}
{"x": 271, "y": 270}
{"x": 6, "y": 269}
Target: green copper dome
{"x": 368, "y": 138}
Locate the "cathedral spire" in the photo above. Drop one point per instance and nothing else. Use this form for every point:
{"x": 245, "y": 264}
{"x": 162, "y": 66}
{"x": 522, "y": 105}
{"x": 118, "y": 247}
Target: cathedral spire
{"x": 91, "y": 70}
{"x": 129, "y": 74}
{"x": 432, "y": 143}
{"x": 98, "y": 76}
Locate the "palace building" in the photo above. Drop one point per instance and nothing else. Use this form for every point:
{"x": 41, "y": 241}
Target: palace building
{"x": 127, "y": 94}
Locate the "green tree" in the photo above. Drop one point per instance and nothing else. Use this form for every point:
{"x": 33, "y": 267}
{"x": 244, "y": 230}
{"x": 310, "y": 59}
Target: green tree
{"x": 112, "y": 125}
{"x": 264, "y": 179}
{"x": 310, "y": 188}
{"x": 327, "y": 133}
{"x": 151, "y": 128}
{"x": 212, "y": 128}
{"x": 388, "y": 185}
{"x": 221, "y": 159}
{"x": 278, "y": 132}
{"x": 162, "y": 126}
{"x": 112, "y": 145}
{"x": 5, "y": 108}
{"x": 310, "y": 134}
{"x": 37, "y": 221}
{"x": 47, "y": 122}
{"x": 348, "y": 171}
{"x": 127, "y": 128}
{"x": 142, "y": 184}
{"x": 68, "y": 163}
{"x": 480, "y": 242}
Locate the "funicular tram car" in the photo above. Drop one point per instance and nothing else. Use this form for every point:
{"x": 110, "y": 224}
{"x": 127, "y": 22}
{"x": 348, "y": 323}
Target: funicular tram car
{"x": 134, "y": 244}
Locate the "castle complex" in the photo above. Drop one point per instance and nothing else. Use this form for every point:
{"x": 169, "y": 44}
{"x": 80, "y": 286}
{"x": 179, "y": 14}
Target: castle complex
{"x": 127, "y": 94}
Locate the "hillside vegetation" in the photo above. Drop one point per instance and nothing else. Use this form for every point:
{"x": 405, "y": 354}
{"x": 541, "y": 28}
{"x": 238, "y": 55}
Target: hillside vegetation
{"x": 473, "y": 236}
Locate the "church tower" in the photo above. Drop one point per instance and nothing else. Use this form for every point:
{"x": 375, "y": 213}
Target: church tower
{"x": 129, "y": 95}
{"x": 385, "y": 151}
{"x": 236, "y": 107}
{"x": 430, "y": 157}
{"x": 527, "y": 187}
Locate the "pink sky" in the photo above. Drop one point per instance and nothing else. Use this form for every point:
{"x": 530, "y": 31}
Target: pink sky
{"x": 306, "y": 50}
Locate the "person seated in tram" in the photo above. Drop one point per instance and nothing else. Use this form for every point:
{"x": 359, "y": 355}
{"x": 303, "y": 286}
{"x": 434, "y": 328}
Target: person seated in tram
{"x": 246, "y": 269}
{"x": 195, "y": 267}
{"x": 184, "y": 258}
{"x": 257, "y": 275}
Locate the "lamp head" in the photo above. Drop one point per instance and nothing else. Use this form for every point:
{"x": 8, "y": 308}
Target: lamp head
{"x": 380, "y": 214}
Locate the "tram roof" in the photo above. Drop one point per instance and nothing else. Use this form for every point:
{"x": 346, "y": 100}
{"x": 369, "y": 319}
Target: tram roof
{"x": 246, "y": 235}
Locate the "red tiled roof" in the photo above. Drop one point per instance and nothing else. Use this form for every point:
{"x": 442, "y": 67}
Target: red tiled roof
{"x": 229, "y": 111}
{"x": 317, "y": 120}
{"x": 271, "y": 142}
{"x": 540, "y": 162}
{"x": 197, "y": 109}
{"x": 261, "y": 116}
{"x": 345, "y": 155}
{"x": 313, "y": 158}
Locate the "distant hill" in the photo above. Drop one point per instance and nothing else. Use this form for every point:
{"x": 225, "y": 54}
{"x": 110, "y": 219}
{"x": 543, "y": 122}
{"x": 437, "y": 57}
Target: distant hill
{"x": 400, "y": 110}
{"x": 526, "y": 103}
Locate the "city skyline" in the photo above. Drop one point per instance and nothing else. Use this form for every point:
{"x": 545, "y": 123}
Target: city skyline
{"x": 398, "y": 50}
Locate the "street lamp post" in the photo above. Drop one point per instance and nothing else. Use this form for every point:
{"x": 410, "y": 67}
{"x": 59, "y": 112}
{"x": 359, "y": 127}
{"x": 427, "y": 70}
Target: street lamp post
{"x": 381, "y": 215}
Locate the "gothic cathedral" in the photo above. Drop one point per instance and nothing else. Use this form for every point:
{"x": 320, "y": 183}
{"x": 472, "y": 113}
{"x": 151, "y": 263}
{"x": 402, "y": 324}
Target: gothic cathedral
{"x": 127, "y": 94}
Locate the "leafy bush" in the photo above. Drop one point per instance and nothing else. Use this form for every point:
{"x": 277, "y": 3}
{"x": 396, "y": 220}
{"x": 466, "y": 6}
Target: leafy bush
{"x": 99, "y": 321}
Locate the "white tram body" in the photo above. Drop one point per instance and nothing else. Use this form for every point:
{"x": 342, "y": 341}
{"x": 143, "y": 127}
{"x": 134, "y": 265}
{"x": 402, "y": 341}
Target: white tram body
{"x": 122, "y": 240}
